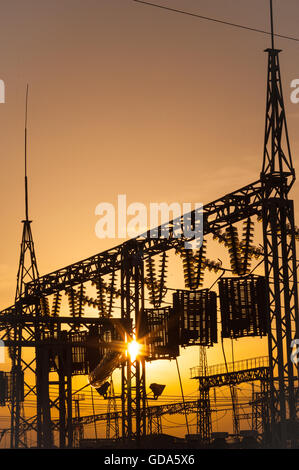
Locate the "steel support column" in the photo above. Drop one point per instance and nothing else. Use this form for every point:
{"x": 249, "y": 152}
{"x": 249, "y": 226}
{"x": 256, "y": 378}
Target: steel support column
{"x": 280, "y": 269}
{"x": 133, "y": 372}
{"x": 203, "y": 421}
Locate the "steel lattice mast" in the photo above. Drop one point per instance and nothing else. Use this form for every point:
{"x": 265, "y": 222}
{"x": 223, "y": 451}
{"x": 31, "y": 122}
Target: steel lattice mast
{"x": 204, "y": 423}
{"x": 133, "y": 372}
{"x": 112, "y": 427}
{"x": 27, "y": 272}
{"x": 269, "y": 195}
{"x": 277, "y": 178}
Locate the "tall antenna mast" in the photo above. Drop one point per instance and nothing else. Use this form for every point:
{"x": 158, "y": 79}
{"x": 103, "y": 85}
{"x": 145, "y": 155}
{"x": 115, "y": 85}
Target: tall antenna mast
{"x": 272, "y": 24}
{"x": 277, "y": 153}
{"x": 278, "y": 176}
{"x": 26, "y": 180}
{"x": 27, "y": 271}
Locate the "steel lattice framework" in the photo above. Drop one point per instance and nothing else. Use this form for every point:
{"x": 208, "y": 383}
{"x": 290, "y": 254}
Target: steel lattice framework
{"x": 280, "y": 253}
{"x": 26, "y": 325}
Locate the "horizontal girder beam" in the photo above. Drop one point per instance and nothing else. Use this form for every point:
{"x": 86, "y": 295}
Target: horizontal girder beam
{"x": 227, "y": 210}
{"x": 233, "y": 378}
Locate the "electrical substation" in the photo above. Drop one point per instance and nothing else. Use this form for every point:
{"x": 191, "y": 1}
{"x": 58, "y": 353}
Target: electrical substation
{"x": 51, "y": 339}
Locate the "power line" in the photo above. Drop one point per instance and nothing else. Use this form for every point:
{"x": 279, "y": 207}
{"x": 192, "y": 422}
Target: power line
{"x": 214, "y": 20}
{"x": 93, "y": 411}
{"x": 181, "y": 386}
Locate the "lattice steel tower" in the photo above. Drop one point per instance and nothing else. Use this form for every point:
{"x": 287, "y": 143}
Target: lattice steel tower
{"x": 27, "y": 272}
{"x": 277, "y": 178}
{"x": 203, "y": 422}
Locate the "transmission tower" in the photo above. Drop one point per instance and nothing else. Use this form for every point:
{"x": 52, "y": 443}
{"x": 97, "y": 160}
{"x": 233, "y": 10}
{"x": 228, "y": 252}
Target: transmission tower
{"x": 112, "y": 427}
{"x": 277, "y": 178}
{"x": 203, "y": 423}
{"x": 28, "y": 323}
{"x": 235, "y": 406}
{"x": 133, "y": 371}
{"x": 78, "y": 427}
{"x": 27, "y": 272}
{"x": 154, "y": 422}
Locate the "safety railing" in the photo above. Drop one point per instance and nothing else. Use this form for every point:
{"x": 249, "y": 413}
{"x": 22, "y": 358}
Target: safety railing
{"x": 245, "y": 364}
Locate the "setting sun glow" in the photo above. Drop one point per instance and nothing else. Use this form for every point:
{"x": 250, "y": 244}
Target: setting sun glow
{"x": 133, "y": 350}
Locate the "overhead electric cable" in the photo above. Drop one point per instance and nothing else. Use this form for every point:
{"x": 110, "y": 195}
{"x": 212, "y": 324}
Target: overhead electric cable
{"x": 215, "y": 20}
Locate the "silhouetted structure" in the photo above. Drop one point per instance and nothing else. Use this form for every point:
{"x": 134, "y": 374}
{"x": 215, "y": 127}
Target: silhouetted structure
{"x": 74, "y": 345}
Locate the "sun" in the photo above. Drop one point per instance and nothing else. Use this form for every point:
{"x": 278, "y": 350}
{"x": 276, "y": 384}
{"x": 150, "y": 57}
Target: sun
{"x": 134, "y": 350}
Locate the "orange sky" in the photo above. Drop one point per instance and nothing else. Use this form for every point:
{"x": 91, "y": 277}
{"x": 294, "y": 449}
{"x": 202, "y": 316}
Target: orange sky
{"x": 128, "y": 99}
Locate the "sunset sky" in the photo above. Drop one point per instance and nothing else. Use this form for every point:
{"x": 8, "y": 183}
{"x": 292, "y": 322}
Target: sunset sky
{"x": 129, "y": 99}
